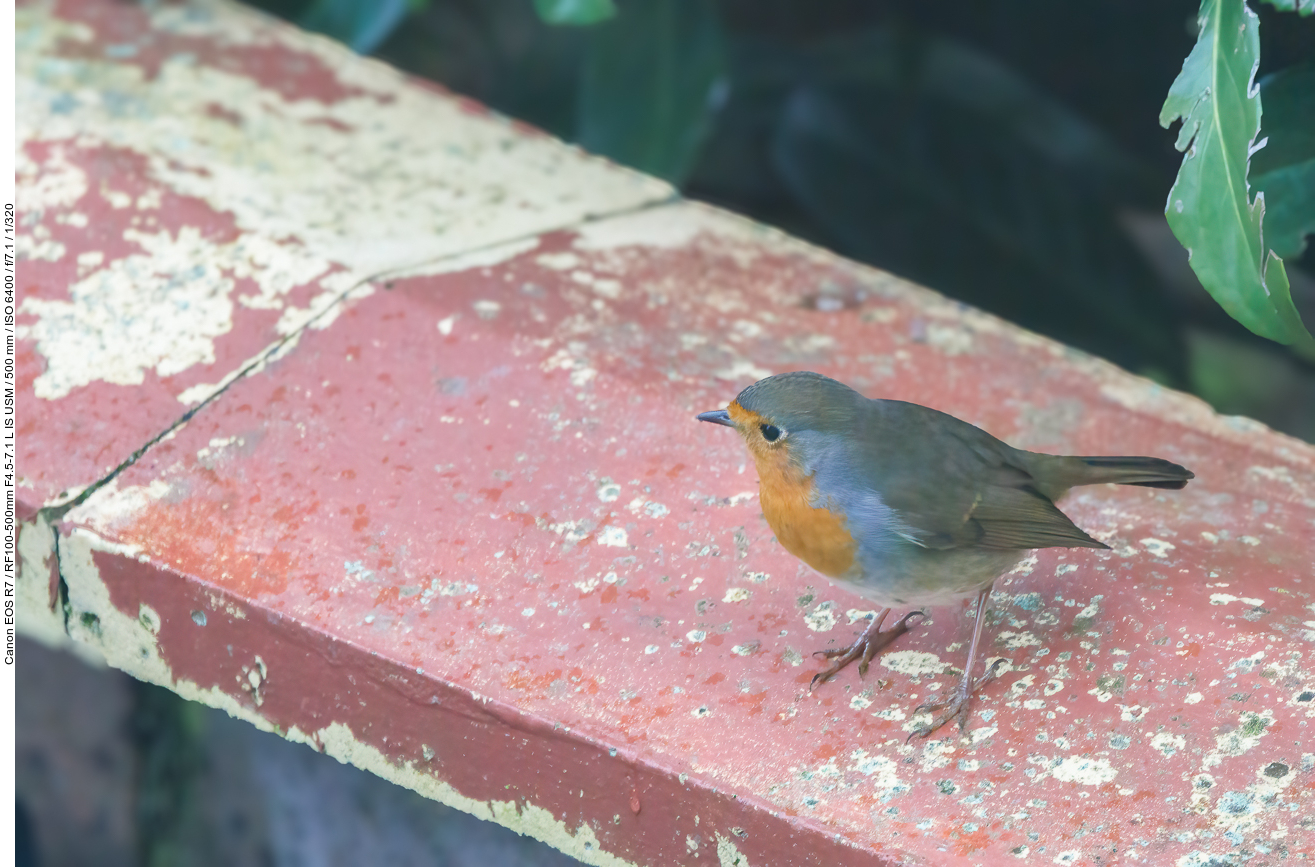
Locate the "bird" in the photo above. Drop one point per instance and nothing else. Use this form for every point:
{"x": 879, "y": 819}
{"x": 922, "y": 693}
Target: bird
{"x": 909, "y": 506}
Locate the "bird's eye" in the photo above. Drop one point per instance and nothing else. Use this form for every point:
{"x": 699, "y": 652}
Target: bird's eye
{"x": 771, "y": 432}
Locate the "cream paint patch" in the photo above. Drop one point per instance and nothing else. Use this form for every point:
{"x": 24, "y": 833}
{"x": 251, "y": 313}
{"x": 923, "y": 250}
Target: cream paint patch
{"x": 742, "y": 369}
{"x": 572, "y": 358}
{"x": 37, "y": 620}
{"x": 1157, "y": 547}
{"x": 1225, "y": 598}
{"x": 162, "y": 309}
{"x": 483, "y": 258}
{"x": 385, "y": 179}
{"x": 113, "y": 505}
{"x": 882, "y": 772}
{"x": 913, "y": 663}
{"x": 1283, "y": 475}
{"x": 670, "y": 226}
{"x": 1083, "y": 770}
{"x": 53, "y": 183}
{"x": 1168, "y": 744}
{"x": 1025, "y": 566}
{"x": 950, "y": 339}
{"x": 935, "y": 754}
{"x": 821, "y": 618}
{"x": 615, "y": 537}
{"x": 558, "y": 261}
{"x": 1018, "y": 640}
{"x": 158, "y": 310}
{"x": 728, "y": 855}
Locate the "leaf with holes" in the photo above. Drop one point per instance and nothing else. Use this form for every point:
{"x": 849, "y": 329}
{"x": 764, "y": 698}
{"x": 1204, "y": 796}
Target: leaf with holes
{"x": 1301, "y": 7}
{"x": 1210, "y": 208}
{"x": 1284, "y": 170}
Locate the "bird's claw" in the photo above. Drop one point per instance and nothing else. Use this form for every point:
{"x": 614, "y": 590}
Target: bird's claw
{"x": 958, "y": 703}
{"x": 873, "y": 639}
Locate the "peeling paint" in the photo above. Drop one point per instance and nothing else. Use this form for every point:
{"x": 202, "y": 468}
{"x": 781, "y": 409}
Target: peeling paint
{"x": 101, "y": 632}
{"x": 580, "y": 842}
{"x": 37, "y": 618}
{"x": 127, "y": 643}
{"x": 133, "y": 316}
{"x": 382, "y": 199}
{"x": 670, "y": 227}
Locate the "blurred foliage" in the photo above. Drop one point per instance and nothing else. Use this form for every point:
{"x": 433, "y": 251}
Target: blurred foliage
{"x": 1305, "y": 7}
{"x": 575, "y": 13}
{"x": 650, "y": 85}
{"x": 1246, "y": 378}
{"x": 168, "y": 733}
{"x": 1285, "y": 168}
{"x": 363, "y": 26}
{"x": 1210, "y": 207}
{"x": 1005, "y": 153}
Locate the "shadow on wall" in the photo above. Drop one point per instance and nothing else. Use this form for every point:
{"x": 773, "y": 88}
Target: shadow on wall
{"x": 113, "y": 772}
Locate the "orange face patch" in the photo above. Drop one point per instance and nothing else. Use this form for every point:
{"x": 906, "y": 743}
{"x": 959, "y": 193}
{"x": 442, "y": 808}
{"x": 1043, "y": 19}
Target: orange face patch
{"x": 816, "y": 536}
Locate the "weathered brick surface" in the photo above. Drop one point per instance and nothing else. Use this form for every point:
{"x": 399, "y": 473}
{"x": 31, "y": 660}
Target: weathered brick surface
{"x": 461, "y": 530}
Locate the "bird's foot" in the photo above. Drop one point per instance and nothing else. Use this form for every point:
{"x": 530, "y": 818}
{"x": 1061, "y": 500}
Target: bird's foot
{"x": 866, "y": 647}
{"x": 957, "y": 703}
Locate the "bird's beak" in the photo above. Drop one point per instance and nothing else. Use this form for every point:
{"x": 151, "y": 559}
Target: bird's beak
{"x": 716, "y": 416}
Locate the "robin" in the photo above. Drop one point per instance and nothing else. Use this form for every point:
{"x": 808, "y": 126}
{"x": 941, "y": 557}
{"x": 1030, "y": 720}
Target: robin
{"x": 908, "y": 505}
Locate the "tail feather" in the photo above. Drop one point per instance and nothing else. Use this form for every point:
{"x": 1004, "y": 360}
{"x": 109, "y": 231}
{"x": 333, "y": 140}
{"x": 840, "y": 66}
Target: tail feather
{"x": 1146, "y": 472}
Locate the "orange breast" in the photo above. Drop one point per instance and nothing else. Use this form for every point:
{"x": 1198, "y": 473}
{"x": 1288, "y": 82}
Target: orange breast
{"x": 816, "y": 536}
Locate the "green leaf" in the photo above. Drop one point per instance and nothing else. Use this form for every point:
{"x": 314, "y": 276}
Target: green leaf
{"x": 651, "y": 84}
{"x": 574, "y": 13}
{"x": 1209, "y": 208}
{"x": 362, "y": 24}
{"x": 1284, "y": 170}
{"x": 1303, "y": 7}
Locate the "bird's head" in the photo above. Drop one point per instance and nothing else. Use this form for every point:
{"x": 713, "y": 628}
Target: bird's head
{"x": 781, "y": 413}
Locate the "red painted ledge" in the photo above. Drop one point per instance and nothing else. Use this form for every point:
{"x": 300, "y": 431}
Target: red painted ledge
{"x": 441, "y": 509}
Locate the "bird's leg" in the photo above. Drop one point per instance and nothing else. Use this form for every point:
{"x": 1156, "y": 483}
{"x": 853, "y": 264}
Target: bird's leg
{"x": 864, "y": 648}
{"x": 957, "y": 702}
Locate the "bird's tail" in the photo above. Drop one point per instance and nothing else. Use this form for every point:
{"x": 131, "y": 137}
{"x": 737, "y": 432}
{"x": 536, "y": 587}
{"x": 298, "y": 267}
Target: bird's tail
{"x": 1147, "y": 472}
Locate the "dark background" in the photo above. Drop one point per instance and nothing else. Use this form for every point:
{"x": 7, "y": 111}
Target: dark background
{"x": 1007, "y": 154}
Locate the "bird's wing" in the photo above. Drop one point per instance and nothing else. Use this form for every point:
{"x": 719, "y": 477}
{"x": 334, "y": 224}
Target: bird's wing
{"x": 1005, "y": 513}
{"x": 949, "y": 484}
